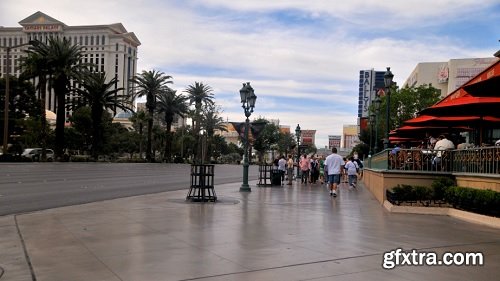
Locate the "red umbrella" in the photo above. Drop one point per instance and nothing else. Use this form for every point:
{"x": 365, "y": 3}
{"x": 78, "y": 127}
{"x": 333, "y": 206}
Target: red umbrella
{"x": 466, "y": 106}
{"x": 451, "y": 121}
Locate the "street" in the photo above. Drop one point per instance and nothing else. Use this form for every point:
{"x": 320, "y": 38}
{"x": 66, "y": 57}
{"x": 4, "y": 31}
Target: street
{"x": 26, "y": 187}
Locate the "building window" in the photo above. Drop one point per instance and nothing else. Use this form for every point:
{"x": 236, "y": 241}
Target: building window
{"x": 86, "y": 40}
{"x": 97, "y": 40}
{"x": 92, "y": 40}
{"x": 103, "y": 40}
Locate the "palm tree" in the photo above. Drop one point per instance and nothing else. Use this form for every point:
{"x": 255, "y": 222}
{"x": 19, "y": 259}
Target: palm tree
{"x": 199, "y": 94}
{"x": 64, "y": 63}
{"x": 211, "y": 122}
{"x": 171, "y": 104}
{"x": 150, "y": 84}
{"x": 35, "y": 65}
{"x": 138, "y": 120}
{"x": 100, "y": 96}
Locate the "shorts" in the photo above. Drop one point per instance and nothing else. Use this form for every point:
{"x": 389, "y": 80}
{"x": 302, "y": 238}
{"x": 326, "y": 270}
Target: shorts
{"x": 334, "y": 178}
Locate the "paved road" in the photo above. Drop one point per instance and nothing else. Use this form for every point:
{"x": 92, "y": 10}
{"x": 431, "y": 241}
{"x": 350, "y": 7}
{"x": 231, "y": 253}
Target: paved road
{"x": 26, "y": 187}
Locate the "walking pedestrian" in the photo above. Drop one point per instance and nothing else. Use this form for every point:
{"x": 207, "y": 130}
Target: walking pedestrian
{"x": 352, "y": 169}
{"x": 289, "y": 167}
{"x": 333, "y": 165}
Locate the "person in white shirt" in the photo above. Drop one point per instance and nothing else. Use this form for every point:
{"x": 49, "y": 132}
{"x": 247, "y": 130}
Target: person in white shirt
{"x": 282, "y": 168}
{"x": 333, "y": 165}
{"x": 441, "y": 145}
{"x": 352, "y": 169}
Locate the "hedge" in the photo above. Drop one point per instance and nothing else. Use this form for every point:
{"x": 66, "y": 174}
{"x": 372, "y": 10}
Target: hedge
{"x": 486, "y": 202}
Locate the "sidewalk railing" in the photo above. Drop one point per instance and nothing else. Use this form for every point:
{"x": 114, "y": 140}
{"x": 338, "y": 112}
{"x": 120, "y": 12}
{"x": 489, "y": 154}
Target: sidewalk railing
{"x": 480, "y": 160}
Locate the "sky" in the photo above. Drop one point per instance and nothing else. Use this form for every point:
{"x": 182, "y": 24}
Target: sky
{"x": 301, "y": 57}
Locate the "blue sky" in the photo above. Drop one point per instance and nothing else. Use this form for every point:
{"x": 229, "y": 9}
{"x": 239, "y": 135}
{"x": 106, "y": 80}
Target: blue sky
{"x": 301, "y": 57}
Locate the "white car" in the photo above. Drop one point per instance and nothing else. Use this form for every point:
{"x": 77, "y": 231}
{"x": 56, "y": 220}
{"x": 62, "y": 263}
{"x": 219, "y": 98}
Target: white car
{"x": 35, "y": 154}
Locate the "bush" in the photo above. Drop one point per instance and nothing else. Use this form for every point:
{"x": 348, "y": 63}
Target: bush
{"x": 439, "y": 187}
{"x": 480, "y": 201}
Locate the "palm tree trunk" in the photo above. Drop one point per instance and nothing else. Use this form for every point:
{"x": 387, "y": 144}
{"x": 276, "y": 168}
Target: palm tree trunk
{"x": 150, "y": 137}
{"x": 59, "y": 89}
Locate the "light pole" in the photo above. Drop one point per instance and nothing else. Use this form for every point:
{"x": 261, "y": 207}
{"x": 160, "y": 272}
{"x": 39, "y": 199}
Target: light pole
{"x": 377, "y": 103}
{"x": 248, "y": 98}
{"x": 297, "y": 134}
{"x": 7, "y": 92}
{"x": 372, "y": 120}
{"x": 387, "y": 82}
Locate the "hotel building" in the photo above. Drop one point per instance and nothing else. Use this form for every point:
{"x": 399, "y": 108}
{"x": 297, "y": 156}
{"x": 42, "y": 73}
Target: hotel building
{"x": 110, "y": 47}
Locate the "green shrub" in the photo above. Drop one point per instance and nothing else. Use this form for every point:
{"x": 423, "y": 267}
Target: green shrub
{"x": 480, "y": 201}
{"x": 439, "y": 187}
{"x": 405, "y": 192}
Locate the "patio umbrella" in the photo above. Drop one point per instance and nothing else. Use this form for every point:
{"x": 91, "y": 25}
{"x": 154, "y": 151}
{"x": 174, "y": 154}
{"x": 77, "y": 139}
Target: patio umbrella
{"x": 466, "y": 105}
{"x": 451, "y": 121}
{"x": 486, "y": 88}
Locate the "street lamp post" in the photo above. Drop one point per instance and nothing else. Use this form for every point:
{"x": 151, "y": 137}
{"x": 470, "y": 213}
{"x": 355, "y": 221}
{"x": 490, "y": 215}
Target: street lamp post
{"x": 297, "y": 134}
{"x": 387, "y": 82}
{"x": 372, "y": 120}
{"x": 7, "y": 96}
{"x": 248, "y": 98}
{"x": 377, "y": 103}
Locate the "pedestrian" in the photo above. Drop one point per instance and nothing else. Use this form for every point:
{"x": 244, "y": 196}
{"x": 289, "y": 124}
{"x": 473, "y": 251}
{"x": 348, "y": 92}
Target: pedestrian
{"x": 352, "y": 169}
{"x": 343, "y": 173}
{"x": 314, "y": 170}
{"x": 289, "y": 167}
{"x": 282, "y": 168}
{"x": 321, "y": 170}
{"x": 305, "y": 166}
{"x": 333, "y": 165}
{"x": 360, "y": 165}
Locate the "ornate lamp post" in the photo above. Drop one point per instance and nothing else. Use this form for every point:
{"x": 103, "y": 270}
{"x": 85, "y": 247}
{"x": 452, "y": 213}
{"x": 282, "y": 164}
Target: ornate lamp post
{"x": 7, "y": 92}
{"x": 372, "y": 121}
{"x": 387, "y": 82}
{"x": 248, "y": 98}
{"x": 297, "y": 134}
{"x": 377, "y": 103}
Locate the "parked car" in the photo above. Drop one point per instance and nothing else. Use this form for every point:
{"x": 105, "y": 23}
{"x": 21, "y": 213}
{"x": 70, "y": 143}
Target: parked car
{"x": 35, "y": 154}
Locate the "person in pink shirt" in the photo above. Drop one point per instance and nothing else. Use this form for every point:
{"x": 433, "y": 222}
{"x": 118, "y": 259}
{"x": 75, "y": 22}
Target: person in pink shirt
{"x": 305, "y": 166}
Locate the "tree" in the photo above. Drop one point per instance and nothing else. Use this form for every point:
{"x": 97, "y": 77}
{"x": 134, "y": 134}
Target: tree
{"x": 100, "y": 96}
{"x": 286, "y": 142}
{"x": 22, "y": 104}
{"x": 405, "y": 104}
{"x": 138, "y": 120}
{"x": 151, "y": 84}
{"x": 64, "y": 64}
{"x": 199, "y": 94}
{"x": 170, "y": 105}
{"x": 35, "y": 65}
{"x": 211, "y": 122}
{"x": 267, "y": 138}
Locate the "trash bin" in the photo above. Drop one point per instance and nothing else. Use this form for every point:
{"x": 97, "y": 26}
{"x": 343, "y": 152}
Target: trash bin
{"x": 276, "y": 177}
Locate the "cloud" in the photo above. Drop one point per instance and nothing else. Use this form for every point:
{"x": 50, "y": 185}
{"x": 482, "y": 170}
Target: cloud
{"x": 302, "y": 57}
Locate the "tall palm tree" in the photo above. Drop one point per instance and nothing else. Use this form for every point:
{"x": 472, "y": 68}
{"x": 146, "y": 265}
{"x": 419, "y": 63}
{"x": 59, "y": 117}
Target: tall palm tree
{"x": 35, "y": 65}
{"x": 150, "y": 84}
{"x": 211, "y": 122}
{"x": 138, "y": 120}
{"x": 100, "y": 96}
{"x": 64, "y": 64}
{"x": 199, "y": 94}
{"x": 171, "y": 104}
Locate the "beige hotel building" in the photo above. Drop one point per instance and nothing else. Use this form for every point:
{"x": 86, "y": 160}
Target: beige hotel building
{"x": 111, "y": 47}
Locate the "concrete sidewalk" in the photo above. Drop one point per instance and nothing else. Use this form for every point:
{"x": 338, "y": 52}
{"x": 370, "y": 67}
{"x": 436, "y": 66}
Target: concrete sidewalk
{"x": 278, "y": 233}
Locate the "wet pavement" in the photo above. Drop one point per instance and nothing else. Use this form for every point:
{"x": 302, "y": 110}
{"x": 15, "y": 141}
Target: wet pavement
{"x": 273, "y": 233}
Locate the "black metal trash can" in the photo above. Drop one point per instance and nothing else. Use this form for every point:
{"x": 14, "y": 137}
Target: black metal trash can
{"x": 276, "y": 177}
{"x": 202, "y": 184}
